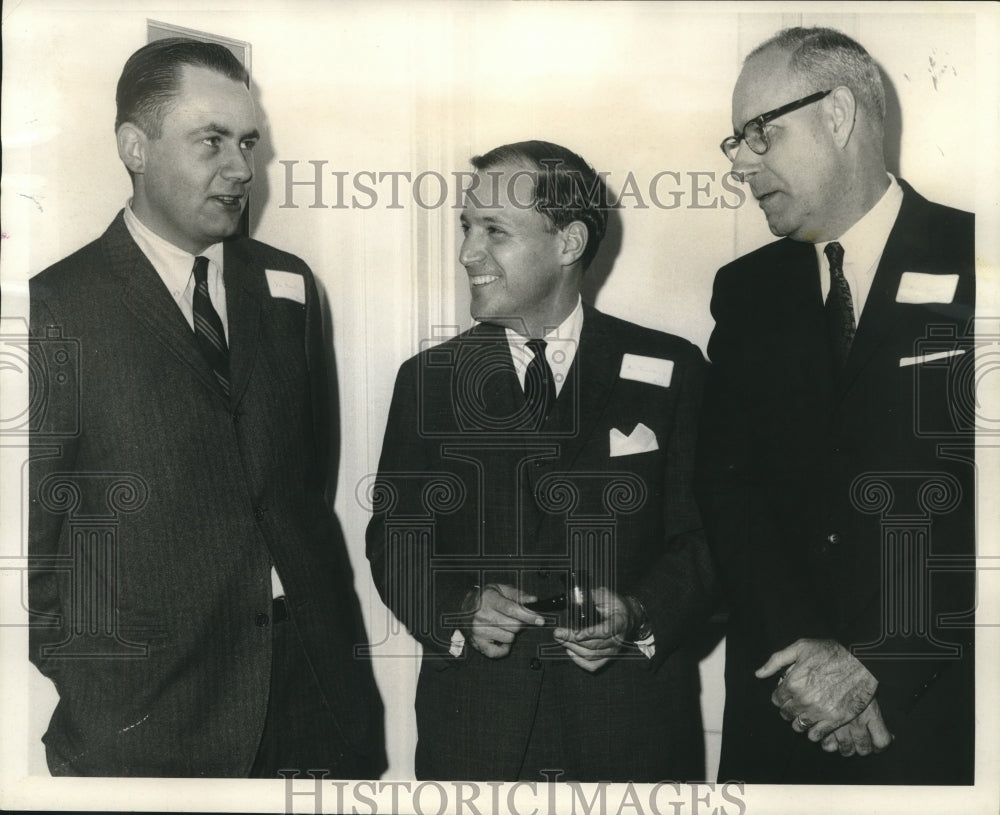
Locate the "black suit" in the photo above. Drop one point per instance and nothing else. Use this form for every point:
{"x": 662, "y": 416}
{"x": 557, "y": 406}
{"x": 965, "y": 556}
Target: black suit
{"x": 824, "y": 498}
{"x": 469, "y": 494}
{"x": 158, "y": 507}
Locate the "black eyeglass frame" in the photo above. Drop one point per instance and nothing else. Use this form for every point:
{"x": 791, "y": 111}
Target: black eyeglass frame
{"x": 733, "y": 142}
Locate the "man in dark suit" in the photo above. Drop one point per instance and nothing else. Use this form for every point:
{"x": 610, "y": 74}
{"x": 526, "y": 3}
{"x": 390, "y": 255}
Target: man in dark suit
{"x": 534, "y": 464}
{"x": 836, "y": 459}
{"x": 190, "y": 590}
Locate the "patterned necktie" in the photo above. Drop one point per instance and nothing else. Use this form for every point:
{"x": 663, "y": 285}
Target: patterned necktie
{"x": 539, "y": 384}
{"x": 208, "y": 330}
{"x": 839, "y": 306}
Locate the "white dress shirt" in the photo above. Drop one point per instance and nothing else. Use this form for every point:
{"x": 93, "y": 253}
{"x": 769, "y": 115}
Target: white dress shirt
{"x": 176, "y": 269}
{"x": 560, "y": 349}
{"x": 863, "y": 246}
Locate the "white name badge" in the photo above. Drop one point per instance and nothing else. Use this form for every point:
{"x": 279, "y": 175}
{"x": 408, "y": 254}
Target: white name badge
{"x": 289, "y": 285}
{"x": 651, "y": 370}
{"x": 919, "y": 287}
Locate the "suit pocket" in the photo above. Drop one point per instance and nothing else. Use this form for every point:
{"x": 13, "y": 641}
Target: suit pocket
{"x": 937, "y": 356}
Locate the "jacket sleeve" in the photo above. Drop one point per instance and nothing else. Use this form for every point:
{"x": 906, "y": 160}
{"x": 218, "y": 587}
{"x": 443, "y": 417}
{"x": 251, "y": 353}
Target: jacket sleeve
{"x": 746, "y": 514}
{"x": 407, "y": 491}
{"x": 677, "y": 589}
{"x": 54, "y": 425}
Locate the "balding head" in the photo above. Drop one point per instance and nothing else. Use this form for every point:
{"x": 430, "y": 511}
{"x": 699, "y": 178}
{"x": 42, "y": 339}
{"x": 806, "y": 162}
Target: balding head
{"x": 820, "y": 167}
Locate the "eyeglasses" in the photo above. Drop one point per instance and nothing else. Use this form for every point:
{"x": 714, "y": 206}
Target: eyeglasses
{"x": 753, "y": 131}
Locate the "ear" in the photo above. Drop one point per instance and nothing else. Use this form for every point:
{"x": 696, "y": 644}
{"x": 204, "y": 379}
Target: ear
{"x": 574, "y": 242}
{"x": 842, "y": 109}
{"x": 132, "y": 143}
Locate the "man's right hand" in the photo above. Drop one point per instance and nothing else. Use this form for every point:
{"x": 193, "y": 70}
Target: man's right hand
{"x": 498, "y": 619}
{"x": 862, "y": 736}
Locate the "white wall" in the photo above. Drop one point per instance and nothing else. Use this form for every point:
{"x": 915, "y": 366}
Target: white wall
{"x": 634, "y": 88}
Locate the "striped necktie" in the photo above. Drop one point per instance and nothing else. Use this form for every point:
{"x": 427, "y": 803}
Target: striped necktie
{"x": 208, "y": 330}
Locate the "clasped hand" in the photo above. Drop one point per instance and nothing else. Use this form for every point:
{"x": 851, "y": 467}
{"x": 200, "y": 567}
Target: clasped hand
{"x": 828, "y": 694}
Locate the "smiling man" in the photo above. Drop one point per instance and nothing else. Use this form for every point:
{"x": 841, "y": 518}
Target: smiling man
{"x": 534, "y": 524}
{"x": 836, "y": 457}
{"x": 190, "y": 590}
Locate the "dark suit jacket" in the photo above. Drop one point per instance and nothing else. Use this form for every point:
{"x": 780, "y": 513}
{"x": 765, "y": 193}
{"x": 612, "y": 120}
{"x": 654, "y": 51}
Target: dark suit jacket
{"x": 158, "y": 507}
{"x": 845, "y": 509}
{"x": 467, "y": 494}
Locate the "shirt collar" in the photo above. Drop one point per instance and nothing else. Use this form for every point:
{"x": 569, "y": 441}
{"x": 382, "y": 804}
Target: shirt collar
{"x": 172, "y": 264}
{"x": 865, "y": 241}
{"x": 568, "y": 329}
{"x": 560, "y": 349}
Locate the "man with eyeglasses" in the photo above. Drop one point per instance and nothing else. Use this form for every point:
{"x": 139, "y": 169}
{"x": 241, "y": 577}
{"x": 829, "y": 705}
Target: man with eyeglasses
{"x": 836, "y": 460}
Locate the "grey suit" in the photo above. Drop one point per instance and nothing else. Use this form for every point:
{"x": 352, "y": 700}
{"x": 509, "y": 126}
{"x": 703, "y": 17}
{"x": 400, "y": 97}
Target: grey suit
{"x": 155, "y": 627}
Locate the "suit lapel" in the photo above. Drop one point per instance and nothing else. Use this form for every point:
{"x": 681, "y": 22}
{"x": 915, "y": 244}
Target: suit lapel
{"x": 906, "y": 241}
{"x": 245, "y": 292}
{"x": 592, "y": 377}
{"x": 580, "y": 406}
{"x": 800, "y": 323}
{"x": 145, "y": 295}
{"x": 484, "y": 392}
{"x": 582, "y": 399}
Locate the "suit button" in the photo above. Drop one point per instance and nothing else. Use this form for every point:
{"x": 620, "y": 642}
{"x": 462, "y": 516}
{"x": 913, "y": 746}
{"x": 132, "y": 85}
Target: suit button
{"x": 262, "y": 620}
{"x": 833, "y": 538}
{"x": 535, "y": 664}
{"x": 258, "y": 513}
{"x": 236, "y": 417}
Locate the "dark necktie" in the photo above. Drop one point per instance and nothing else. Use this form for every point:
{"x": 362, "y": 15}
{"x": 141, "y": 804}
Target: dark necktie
{"x": 539, "y": 384}
{"x": 839, "y": 306}
{"x": 208, "y": 330}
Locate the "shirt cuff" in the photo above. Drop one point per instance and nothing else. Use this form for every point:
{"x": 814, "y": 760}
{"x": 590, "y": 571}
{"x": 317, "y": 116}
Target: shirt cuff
{"x": 457, "y": 644}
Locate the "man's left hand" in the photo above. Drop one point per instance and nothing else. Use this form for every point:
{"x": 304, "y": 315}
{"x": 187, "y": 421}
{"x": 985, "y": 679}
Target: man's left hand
{"x": 863, "y": 736}
{"x": 824, "y": 687}
{"x": 592, "y": 647}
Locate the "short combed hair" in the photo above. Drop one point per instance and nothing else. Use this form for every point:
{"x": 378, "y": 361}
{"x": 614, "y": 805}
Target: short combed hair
{"x": 151, "y": 78}
{"x": 567, "y": 189}
{"x": 831, "y": 58}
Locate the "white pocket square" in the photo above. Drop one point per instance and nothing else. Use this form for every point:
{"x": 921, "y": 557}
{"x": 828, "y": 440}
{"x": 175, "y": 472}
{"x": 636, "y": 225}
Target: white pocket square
{"x": 289, "y": 285}
{"x": 918, "y": 287}
{"x": 918, "y": 360}
{"x": 652, "y": 370}
{"x": 640, "y": 440}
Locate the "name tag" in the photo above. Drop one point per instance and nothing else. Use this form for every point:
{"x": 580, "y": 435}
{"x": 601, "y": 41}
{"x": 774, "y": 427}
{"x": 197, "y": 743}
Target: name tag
{"x": 288, "y": 285}
{"x": 919, "y": 287}
{"x": 651, "y": 370}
